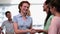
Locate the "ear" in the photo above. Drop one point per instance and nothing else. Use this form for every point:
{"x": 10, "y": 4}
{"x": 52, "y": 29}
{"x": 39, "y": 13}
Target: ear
{"x": 20, "y": 7}
{"x": 54, "y": 8}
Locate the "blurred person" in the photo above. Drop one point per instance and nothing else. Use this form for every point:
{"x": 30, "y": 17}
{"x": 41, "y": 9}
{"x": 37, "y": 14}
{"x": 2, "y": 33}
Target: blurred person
{"x": 23, "y": 21}
{"x": 48, "y": 18}
{"x": 55, "y": 23}
{"x": 8, "y": 23}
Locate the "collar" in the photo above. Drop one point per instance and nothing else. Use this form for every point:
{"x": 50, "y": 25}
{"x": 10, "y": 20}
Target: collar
{"x": 19, "y": 15}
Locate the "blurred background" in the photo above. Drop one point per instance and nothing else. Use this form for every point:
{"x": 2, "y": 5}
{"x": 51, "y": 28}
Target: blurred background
{"x": 36, "y": 9}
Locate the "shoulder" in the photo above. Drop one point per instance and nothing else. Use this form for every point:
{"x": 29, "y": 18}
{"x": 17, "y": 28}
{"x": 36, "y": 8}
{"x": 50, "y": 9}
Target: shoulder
{"x": 5, "y": 21}
{"x": 51, "y": 16}
{"x": 15, "y": 16}
{"x": 55, "y": 20}
{"x": 29, "y": 17}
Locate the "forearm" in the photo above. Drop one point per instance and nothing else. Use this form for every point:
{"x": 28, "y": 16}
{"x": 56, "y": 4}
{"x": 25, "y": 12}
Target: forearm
{"x": 22, "y": 31}
{"x": 40, "y": 31}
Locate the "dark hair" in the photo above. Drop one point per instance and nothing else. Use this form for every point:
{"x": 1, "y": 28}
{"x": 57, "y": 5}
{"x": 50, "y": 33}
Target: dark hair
{"x": 21, "y": 3}
{"x": 56, "y": 4}
{"x": 7, "y": 12}
{"x": 49, "y": 13}
{"x": 47, "y": 2}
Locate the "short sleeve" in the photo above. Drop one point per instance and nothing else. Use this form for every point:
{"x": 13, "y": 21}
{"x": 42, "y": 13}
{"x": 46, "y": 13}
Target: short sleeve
{"x": 3, "y": 24}
{"x": 31, "y": 20}
{"x": 14, "y": 19}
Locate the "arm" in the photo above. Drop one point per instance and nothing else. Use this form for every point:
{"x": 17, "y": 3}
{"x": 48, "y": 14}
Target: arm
{"x": 3, "y": 24}
{"x": 40, "y": 31}
{"x": 16, "y": 27}
{"x": 1, "y": 30}
{"x": 19, "y": 31}
{"x": 32, "y": 30}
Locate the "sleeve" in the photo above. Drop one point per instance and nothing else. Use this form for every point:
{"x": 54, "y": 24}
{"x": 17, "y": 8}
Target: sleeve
{"x": 15, "y": 19}
{"x": 48, "y": 23}
{"x": 31, "y": 20}
{"x": 31, "y": 23}
{"x": 53, "y": 27}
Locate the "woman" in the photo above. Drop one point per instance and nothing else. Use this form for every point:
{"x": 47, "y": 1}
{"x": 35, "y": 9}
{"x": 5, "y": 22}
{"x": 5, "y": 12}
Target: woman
{"x": 48, "y": 18}
{"x": 23, "y": 21}
{"x": 55, "y": 23}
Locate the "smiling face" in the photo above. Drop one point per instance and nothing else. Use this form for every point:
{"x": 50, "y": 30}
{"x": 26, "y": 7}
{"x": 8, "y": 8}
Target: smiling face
{"x": 45, "y": 7}
{"x": 51, "y": 9}
{"x": 24, "y": 8}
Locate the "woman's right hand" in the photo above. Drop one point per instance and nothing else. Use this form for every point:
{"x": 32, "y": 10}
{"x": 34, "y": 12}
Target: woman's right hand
{"x": 31, "y": 31}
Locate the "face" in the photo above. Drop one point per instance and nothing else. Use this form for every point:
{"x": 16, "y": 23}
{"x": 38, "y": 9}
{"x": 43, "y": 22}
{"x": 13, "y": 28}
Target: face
{"x": 52, "y": 10}
{"x": 8, "y": 15}
{"x": 45, "y": 8}
{"x": 24, "y": 8}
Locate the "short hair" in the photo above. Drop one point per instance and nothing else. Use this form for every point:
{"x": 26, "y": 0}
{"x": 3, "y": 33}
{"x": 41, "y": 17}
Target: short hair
{"x": 7, "y": 12}
{"x": 21, "y": 3}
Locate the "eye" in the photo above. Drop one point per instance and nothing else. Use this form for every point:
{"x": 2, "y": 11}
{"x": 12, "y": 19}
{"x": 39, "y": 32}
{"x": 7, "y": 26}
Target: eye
{"x": 26, "y": 7}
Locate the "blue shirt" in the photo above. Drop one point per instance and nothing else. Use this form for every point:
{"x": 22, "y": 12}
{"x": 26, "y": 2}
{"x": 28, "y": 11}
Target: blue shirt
{"x": 21, "y": 23}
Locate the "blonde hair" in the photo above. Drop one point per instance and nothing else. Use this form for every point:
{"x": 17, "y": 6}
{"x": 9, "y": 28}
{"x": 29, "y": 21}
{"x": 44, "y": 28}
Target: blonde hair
{"x": 28, "y": 13}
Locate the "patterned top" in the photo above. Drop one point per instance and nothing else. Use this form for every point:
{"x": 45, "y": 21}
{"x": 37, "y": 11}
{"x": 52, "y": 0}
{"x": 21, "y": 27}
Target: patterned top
{"x": 8, "y": 25}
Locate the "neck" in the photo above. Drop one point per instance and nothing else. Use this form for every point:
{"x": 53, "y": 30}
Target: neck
{"x": 23, "y": 14}
{"x": 9, "y": 19}
{"x": 57, "y": 14}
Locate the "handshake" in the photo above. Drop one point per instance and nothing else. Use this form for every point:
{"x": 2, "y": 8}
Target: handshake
{"x": 33, "y": 31}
